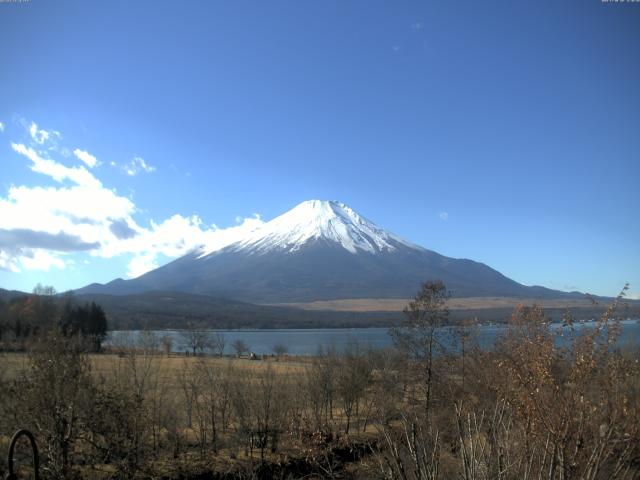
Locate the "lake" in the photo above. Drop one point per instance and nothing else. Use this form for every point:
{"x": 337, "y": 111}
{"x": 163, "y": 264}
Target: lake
{"x": 310, "y": 341}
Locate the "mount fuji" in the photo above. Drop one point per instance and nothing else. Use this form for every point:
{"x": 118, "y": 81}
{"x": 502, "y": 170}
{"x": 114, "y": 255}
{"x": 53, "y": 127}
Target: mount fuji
{"x": 319, "y": 250}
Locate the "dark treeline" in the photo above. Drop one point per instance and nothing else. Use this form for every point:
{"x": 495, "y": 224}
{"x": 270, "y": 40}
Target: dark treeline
{"x": 172, "y": 310}
{"x": 25, "y": 318}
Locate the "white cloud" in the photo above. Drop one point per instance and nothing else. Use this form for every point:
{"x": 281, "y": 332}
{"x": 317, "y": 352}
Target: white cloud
{"x": 55, "y": 170}
{"x": 72, "y": 210}
{"x": 141, "y": 264}
{"x": 41, "y": 260}
{"x": 86, "y": 157}
{"x": 77, "y": 218}
{"x": 40, "y": 136}
{"x": 444, "y": 216}
{"x": 1, "y": 127}
{"x": 136, "y": 166}
{"x": 81, "y": 214}
{"x": 175, "y": 237}
{"x": 8, "y": 262}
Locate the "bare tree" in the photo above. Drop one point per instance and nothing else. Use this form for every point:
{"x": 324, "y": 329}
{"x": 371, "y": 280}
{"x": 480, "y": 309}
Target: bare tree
{"x": 240, "y": 346}
{"x": 226, "y": 378}
{"x": 389, "y": 387}
{"x": 209, "y": 379}
{"x": 190, "y": 390}
{"x": 260, "y": 405}
{"x": 280, "y": 349}
{"x": 195, "y": 339}
{"x": 218, "y": 343}
{"x": 129, "y": 397}
{"x": 55, "y": 397}
{"x": 321, "y": 386}
{"x": 411, "y": 453}
{"x": 148, "y": 342}
{"x": 167, "y": 344}
{"x": 354, "y": 376}
{"x": 417, "y": 334}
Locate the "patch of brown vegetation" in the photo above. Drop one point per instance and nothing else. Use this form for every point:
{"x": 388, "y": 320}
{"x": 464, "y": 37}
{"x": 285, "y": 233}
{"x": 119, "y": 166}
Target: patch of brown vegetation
{"x": 468, "y": 303}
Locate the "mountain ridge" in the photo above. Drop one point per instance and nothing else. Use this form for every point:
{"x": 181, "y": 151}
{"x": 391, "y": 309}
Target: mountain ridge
{"x": 320, "y": 250}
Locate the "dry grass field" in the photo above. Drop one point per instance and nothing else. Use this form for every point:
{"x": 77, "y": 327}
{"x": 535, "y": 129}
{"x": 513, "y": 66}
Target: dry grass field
{"x": 469, "y": 303}
{"x": 106, "y": 364}
{"x": 176, "y": 396}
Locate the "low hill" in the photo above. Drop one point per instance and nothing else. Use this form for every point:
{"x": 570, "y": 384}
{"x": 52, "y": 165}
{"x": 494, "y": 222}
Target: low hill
{"x": 7, "y": 295}
{"x": 159, "y": 310}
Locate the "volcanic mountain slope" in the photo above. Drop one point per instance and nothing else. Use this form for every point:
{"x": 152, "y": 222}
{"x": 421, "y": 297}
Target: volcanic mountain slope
{"x": 320, "y": 250}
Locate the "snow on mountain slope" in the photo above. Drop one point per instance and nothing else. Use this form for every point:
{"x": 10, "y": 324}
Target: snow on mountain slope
{"x": 315, "y": 220}
{"x": 319, "y": 250}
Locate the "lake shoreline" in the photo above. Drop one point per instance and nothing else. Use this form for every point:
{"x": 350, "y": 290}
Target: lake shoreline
{"x": 299, "y": 341}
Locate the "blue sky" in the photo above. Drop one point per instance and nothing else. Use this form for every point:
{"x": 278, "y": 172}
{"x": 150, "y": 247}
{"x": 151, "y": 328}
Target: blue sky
{"x": 506, "y": 132}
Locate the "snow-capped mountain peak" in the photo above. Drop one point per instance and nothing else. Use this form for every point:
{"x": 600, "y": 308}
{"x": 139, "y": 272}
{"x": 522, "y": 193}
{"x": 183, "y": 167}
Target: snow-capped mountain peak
{"x": 311, "y": 220}
{"x": 319, "y": 250}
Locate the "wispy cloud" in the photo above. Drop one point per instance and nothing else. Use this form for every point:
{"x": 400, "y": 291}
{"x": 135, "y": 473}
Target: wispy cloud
{"x": 136, "y": 166}
{"x": 1, "y": 127}
{"x": 444, "y": 216}
{"x": 86, "y": 157}
{"x": 55, "y": 170}
{"x": 40, "y": 136}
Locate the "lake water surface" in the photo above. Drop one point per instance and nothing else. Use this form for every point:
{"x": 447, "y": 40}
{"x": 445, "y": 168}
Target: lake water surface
{"x": 310, "y": 341}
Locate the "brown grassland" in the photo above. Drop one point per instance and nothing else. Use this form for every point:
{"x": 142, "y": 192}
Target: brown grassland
{"x": 466, "y": 303}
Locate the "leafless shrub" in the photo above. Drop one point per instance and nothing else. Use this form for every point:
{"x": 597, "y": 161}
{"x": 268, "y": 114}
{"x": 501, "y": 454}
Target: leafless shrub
{"x": 218, "y": 343}
{"x": 54, "y": 398}
{"x": 410, "y": 452}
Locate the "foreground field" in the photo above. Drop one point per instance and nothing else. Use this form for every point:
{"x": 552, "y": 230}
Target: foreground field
{"x": 202, "y": 413}
{"x": 528, "y": 409}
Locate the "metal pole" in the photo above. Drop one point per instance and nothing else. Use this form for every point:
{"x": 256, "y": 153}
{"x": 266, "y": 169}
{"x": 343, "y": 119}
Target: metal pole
{"x": 34, "y": 450}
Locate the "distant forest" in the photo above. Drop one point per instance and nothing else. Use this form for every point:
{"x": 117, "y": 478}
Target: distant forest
{"x": 25, "y": 317}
